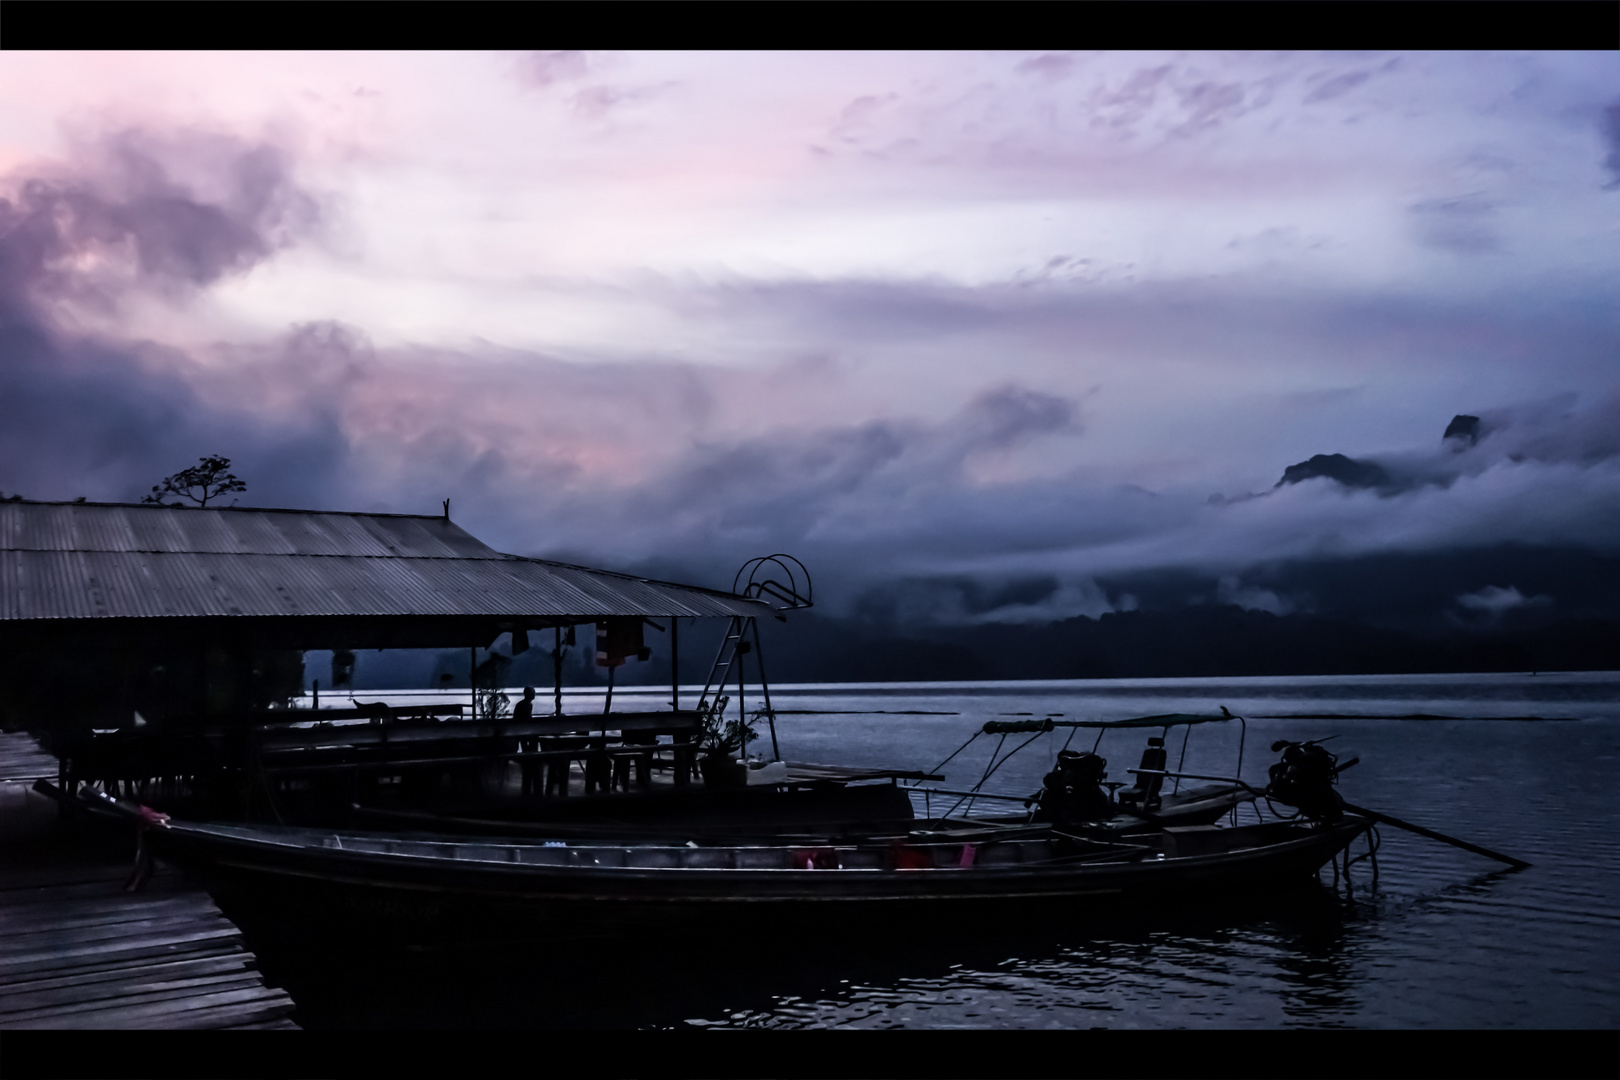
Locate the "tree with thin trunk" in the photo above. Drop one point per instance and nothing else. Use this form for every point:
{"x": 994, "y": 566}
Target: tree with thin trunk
{"x": 208, "y": 479}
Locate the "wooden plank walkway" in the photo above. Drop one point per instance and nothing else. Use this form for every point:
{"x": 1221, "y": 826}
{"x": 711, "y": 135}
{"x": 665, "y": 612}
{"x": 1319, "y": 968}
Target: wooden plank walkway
{"x": 21, "y": 758}
{"x": 76, "y": 951}
{"x": 24, "y": 812}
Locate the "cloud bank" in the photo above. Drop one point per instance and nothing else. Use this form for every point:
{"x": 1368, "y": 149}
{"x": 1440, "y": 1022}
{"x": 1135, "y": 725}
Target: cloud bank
{"x": 999, "y": 438}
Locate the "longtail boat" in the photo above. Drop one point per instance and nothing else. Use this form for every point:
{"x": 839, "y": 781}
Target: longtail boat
{"x": 1078, "y": 839}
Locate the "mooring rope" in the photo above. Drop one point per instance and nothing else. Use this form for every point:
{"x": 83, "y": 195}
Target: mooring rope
{"x": 958, "y": 750}
{"x": 1004, "y": 760}
{"x": 993, "y": 766}
{"x": 987, "y": 769}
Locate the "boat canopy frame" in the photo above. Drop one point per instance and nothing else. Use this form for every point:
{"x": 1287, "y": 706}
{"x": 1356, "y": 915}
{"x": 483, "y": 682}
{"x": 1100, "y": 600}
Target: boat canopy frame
{"x": 1049, "y": 724}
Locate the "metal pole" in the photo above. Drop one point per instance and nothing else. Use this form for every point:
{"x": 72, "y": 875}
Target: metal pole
{"x": 675, "y": 663}
{"x": 472, "y": 679}
{"x": 765, "y": 689}
{"x": 556, "y": 667}
{"x": 1183, "y": 760}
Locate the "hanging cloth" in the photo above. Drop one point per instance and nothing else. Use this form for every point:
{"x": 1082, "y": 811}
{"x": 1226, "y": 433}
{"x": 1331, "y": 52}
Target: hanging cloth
{"x": 618, "y": 638}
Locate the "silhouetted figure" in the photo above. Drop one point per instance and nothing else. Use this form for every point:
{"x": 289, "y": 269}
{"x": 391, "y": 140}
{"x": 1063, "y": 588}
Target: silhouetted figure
{"x": 522, "y": 713}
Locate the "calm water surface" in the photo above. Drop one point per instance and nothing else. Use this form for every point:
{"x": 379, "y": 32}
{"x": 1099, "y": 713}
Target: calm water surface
{"x": 1445, "y": 939}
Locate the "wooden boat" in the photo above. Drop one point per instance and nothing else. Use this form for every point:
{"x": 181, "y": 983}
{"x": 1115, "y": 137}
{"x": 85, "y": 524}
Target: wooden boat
{"x": 430, "y": 876}
{"x": 432, "y": 885}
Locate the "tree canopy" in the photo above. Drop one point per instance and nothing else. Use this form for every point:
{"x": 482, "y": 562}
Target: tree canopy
{"x": 208, "y": 479}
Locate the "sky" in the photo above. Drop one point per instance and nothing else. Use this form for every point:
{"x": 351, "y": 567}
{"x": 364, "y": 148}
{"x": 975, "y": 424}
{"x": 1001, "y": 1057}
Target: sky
{"x": 925, "y": 317}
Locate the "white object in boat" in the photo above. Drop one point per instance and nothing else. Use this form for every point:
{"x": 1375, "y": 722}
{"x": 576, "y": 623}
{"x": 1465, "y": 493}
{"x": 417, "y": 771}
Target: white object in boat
{"x": 765, "y": 772}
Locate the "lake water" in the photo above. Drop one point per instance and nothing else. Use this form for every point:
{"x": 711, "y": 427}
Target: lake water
{"x": 1445, "y": 939}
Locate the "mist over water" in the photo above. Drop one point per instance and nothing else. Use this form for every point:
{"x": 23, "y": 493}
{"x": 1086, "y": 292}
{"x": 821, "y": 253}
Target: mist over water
{"x": 1443, "y": 939}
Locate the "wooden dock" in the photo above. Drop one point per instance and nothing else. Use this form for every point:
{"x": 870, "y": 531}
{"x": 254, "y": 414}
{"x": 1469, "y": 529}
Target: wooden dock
{"x": 77, "y": 951}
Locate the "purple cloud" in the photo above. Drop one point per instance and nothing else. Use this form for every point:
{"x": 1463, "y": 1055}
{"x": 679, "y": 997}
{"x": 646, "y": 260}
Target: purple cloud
{"x": 96, "y": 417}
{"x": 1047, "y": 65}
{"x": 135, "y": 214}
{"x": 885, "y": 426}
{"x": 1462, "y": 224}
{"x": 1611, "y": 138}
{"x": 545, "y": 69}
{"x": 1338, "y": 86}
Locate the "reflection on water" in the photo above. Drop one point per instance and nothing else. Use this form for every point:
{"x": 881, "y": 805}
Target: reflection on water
{"x": 1228, "y": 968}
{"x": 1276, "y": 963}
{"x": 1444, "y": 939}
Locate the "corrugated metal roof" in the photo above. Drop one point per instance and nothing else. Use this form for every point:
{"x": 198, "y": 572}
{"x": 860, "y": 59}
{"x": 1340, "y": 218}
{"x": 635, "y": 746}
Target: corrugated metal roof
{"x": 96, "y": 560}
{"x": 26, "y": 526}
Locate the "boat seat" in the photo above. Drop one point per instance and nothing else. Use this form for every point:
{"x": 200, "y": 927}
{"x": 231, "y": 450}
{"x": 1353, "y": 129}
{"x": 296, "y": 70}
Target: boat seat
{"x": 1145, "y": 793}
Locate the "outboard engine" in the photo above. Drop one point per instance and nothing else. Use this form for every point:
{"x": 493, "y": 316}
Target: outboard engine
{"x": 1072, "y": 793}
{"x": 1304, "y": 778}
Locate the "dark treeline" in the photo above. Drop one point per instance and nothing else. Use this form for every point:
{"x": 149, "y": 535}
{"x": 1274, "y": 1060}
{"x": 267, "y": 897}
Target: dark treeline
{"x": 1385, "y": 614}
{"x": 1204, "y": 640}
{"x": 1379, "y": 614}
{"x": 1197, "y": 641}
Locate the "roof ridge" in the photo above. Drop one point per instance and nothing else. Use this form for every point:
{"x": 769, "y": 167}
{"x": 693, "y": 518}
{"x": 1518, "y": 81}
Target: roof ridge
{"x": 224, "y": 509}
{"x": 494, "y": 556}
{"x": 627, "y": 577}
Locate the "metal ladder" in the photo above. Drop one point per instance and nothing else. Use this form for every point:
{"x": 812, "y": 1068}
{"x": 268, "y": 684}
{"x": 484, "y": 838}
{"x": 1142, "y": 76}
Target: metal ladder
{"x": 758, "y": 586}
{"x": 723, "y": 659}
{"x": 733, "y": 647}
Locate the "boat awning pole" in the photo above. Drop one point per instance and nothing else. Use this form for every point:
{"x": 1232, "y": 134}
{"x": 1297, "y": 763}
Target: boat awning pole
{"x": 1182, "y": 763}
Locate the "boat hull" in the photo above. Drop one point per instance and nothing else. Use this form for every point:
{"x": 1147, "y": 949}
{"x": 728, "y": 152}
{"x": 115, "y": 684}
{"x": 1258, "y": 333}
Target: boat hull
{"x": 438, "y": 890}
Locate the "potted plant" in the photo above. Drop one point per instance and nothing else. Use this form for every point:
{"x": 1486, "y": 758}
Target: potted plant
{"x": 722, "y": 743}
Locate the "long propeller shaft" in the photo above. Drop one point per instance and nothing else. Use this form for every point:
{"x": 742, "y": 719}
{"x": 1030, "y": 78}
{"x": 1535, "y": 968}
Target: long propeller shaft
{"x": 1517, "y": 864}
